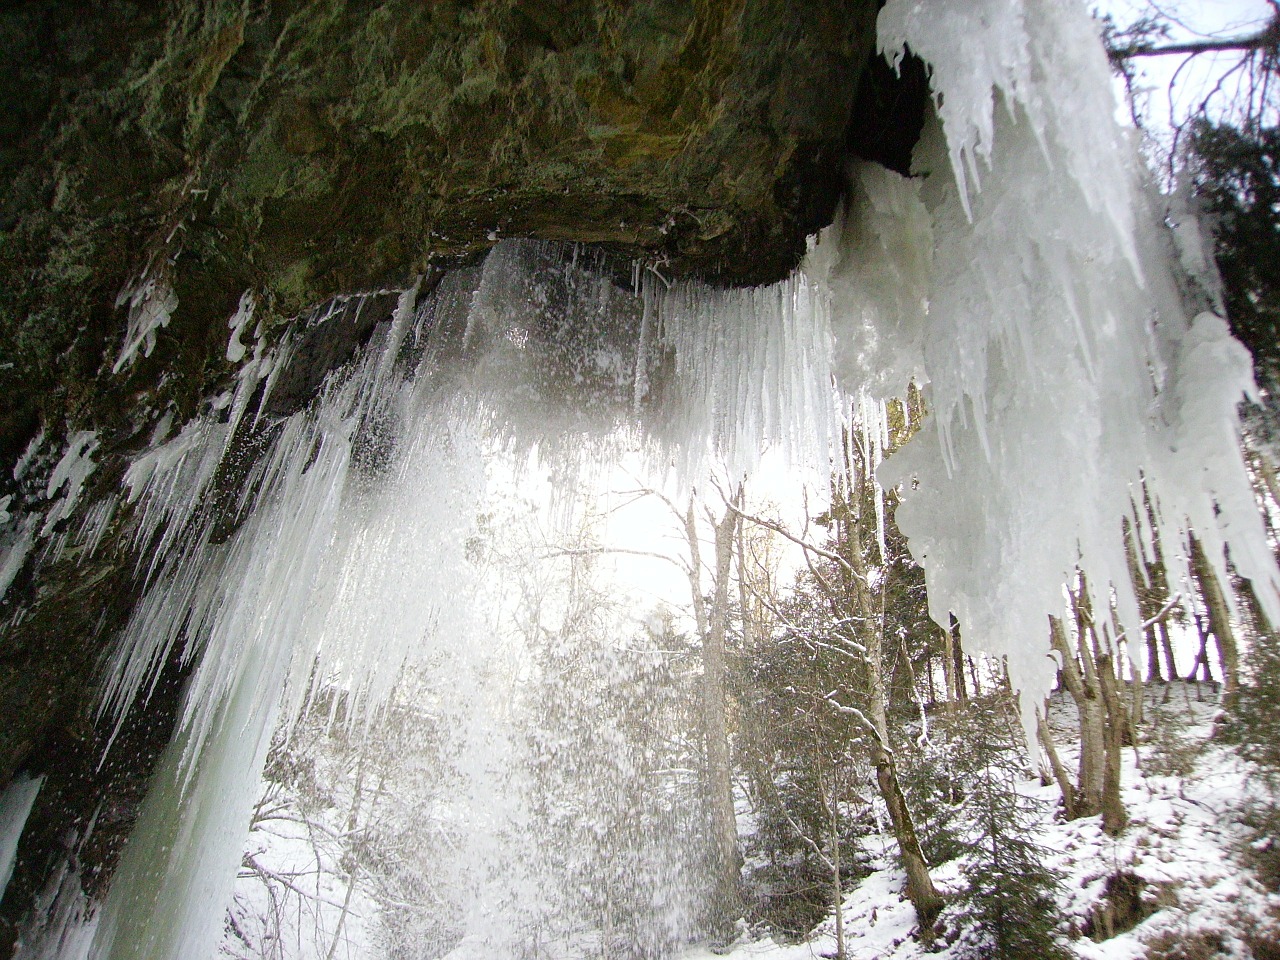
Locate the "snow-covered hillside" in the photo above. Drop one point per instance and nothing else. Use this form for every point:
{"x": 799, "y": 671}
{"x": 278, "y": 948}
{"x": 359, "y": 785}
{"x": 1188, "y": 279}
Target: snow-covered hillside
{"x": 1173, "y": 886}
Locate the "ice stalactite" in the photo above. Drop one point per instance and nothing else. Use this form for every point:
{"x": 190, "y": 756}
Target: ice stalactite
{"x": 1060, "y": 360}
{"x": 318, "y": 578}
{"x": 15, "y": 807}
{"x": 752, "y": 369}
{"x": 151, "y": 303}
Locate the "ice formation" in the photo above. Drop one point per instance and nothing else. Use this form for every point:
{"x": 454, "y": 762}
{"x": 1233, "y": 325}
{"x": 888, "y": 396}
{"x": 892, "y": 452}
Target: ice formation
{"x": 351, "y": 558}
{"x": 15, "y": 807}
{"x": 1021, "y": 280}
{"x": 1060, "y": 359}
{"x": 238, "y": 323}
{"x": 67, "y": 479}
{"x": 151, "y": 303}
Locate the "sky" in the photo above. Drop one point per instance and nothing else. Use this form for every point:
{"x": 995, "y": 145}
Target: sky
{"x": 1171, "y": 87}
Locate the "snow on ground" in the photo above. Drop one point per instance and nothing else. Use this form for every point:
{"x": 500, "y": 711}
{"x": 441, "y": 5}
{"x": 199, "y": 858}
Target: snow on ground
{"x": 878, "y": 921}
{"x": 1181, "y": 843}
{"x": 1183, "y": 791}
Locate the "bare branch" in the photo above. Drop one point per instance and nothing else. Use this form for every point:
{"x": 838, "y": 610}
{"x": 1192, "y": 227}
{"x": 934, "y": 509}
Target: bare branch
{"x": 268, "y": 874}
{"x": 807, "y": 545}
{"x": 1174, "y": 601}
{"x": 1265, "y": 39}
{"x": 860, "y": 717}
{"x": 607, "y": 551}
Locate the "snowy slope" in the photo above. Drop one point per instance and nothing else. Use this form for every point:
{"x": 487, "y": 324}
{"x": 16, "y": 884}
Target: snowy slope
{"x": 1181, "y": 843}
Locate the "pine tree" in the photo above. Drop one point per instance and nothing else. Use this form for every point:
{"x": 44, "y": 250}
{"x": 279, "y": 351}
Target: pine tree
{"x": 1009, "y": 911}
{"x": 1236, "y": 173}
{"x": 1254, "y": 723}
{"x": 1254, "y": 726}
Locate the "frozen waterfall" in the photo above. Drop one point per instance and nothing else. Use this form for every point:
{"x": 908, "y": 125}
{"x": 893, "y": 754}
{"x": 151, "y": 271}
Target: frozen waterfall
{"x": 1023, "y": 279}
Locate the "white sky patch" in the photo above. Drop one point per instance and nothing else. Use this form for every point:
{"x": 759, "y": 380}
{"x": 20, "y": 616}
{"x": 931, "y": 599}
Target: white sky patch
{"x": 1169, "y": 89}
{"x": 643, "y": 536}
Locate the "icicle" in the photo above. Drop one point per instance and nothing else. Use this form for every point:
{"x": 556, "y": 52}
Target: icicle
{"x": 876, "y": 428}
{"x": 1057, "y": 372}
{"x": 239, "y": 320}
{"x": 28, "y": 456}
{"x": 15, "y": 807}
{"x": 401, "y": 318}
{"x": 16, "y": 542}
{"x": 871, "y": 277}
{"x": 1058, "y": 355}
{"x": 72, "y": 471}
{"x": 751, "y": 369}
{"x": 168, "y": 899}
{"x": 151, "y": 303}
{"x": 643, "y": 349}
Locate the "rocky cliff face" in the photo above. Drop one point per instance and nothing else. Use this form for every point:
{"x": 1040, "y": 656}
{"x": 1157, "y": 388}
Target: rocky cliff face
{"x": 159, "y": 160}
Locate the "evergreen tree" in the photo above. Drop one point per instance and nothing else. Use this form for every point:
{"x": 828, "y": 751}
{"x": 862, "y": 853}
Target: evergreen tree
{"x": 1254, "y": 726}
{"x": 804, "y": 761}
{"x": 1236, "y": 174}
{"x": 1008, "y": 911}
{"x": 1255, "y": 722}
{"x": 935, "y": 785}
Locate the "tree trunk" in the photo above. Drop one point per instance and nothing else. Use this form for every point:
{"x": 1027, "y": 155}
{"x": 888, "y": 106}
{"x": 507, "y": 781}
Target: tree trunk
{"x": 1219, "y": 620}
{"x": 1147, "y": 592}
{"x": 1100, "y": 670}
{"x": 713, "y": 623}
{"x": 1166, "y": 645}
{"x": 1249, "y": 597}
{"x": 1081, "y": 685}
{"x": 920, "y": 889}
{"x": 1158, "y": 578}
{"x": 1271, "y": 489}
{"x": 1202, "y": 655}
{"x": 1045, "y": 735}
{"x": 957, "y": 654}
{"x": 973, "y": 674}
{"x": 830, "y": 800}
{"x": 1114, "y": 817}
{"x": 1154, "y": 672}
{"x": 1138, "y": 703}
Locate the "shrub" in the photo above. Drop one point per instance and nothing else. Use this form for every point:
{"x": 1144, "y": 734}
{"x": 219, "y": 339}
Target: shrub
{"x": 1186, "y": 945}
{"x": 1171, "y": 751}
{"x": 1261, "y": 848}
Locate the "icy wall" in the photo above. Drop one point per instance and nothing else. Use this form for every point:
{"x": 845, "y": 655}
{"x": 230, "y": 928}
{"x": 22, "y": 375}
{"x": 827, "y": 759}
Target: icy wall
{"x": 1065, "y": 352}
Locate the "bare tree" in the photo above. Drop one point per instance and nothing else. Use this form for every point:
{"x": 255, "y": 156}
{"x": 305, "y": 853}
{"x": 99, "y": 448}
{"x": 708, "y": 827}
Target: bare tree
{"x": 1219, "y": 618}
{"x": 838, "y": 566}
{"x": 712, "y": 621}
{"x": 1090, "y": 669}
{"x": 1242, "y": 92}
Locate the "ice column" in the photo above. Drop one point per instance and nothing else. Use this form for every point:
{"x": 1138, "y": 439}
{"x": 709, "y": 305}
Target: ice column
{"x": 1056, "y": 354}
